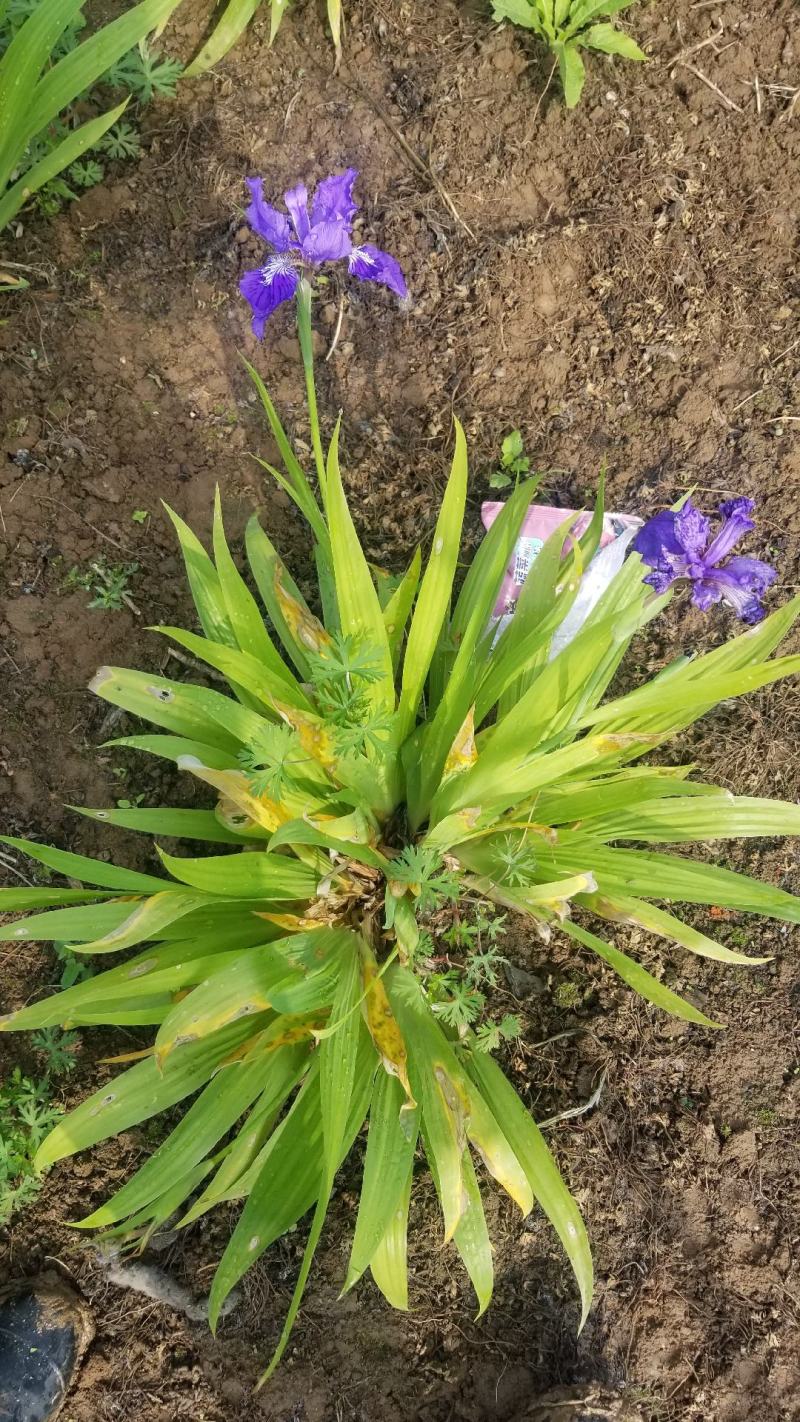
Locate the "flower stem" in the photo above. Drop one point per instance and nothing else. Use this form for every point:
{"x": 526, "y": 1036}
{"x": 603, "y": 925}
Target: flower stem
{"x": 304, "y": 299}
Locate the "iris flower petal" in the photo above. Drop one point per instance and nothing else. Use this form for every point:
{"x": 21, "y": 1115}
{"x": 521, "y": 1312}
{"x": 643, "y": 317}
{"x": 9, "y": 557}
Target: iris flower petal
{"x": 270, "y": 224}
{"x": 296, "y": 200}
{"x": 657, "y": 537}
{"x": 705, "y": 592}
{"x": 736, "y": 513}
{"x": 267, "y": 288}
{"x": 368, "y": 263}
{"x": 660, "y": 579}
{"x": 326, "y": 242}
{"x": 333, "y": 199}
{"x": 752, "y": 573}
{"x": 720, "y": 584}
{"x": 692, "y": 530}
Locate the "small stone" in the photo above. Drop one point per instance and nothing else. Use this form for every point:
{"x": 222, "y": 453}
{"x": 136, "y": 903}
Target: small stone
{"x": 524, "y": 984}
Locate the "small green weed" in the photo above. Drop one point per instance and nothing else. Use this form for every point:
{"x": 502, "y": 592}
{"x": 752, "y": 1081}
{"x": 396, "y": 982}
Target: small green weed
{"x": 567, "y": 27}
{"x": 145, "y": 75}
{"x": 87, "y": 174}
{"x": 26, "y": 1116}
{"x": 513, "y": 462}
{"x": 109, "y": 583}
{"x": 121, "y": 141}
{"x": 73, "y": 969}
{"x": 55, "y": 1047}
{"x": 27, "y": 1111}
{"x": 458, "y": 993}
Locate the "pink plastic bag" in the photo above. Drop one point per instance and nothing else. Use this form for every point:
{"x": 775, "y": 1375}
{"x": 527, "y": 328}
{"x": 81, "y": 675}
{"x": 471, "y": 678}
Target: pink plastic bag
{"x": 540, "y": 521}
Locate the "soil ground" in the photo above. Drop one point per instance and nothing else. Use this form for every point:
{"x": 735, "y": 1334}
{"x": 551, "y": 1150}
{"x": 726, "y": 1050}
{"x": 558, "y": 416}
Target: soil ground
{"x": 620, "y": 283}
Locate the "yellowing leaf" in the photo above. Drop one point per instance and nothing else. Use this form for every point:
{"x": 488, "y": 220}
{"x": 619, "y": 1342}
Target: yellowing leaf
{"x": 463, "y": 752}
{"x": 610, "y": 744}
{"x": 238, "y": 809}
{"x": 314, "y": 739}
{"x": 304, "y": 626}
{"x": 291, "y": 922}
{"x": 486, "y": 1136}
{"x": 127, "y": 1057}
{"x": 555, "y": 897}
{"x": 452, "y": 1114}
{"x": 382, "y": 1025}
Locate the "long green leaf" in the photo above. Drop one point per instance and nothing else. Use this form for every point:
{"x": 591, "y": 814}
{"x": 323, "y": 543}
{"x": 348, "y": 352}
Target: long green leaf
{"x": 297, "y": 484}
{"x": 244, "y": 1150}
{"x": 231, "y": 24}
{"x": 242, "y": 670}
{"x": 678, "y": 821}
{"x": 574, "y": 802}
{"x": 216, "y": 1109}
{"x": 246, "y": 875}
{"x": 685, "y": 698}
{"x": 89, "y": 871}
{"x": 66, "y": 152}
{"x": 219, "y": 1106}
{"x": 464, "y": 666}
{"x": 162, "y": 968}
{"x": 187, "y": 710}
{"x": 529, "y": 1146}
{"x": 176, "y": 748}
{"x": 138, "y": 1094}
{"x": 266, "y": 567}
{"x": 83, "y": 66}
{"x": 620, "y": 908}
{"x": 16, "y": 900}
{"x": 638, "y": 977}
{"x": 20, "y": 68}
{"x": 147, "y": 919}
{"x": 178, "y": 824}
{"x": 337, "y": 1078}
{"x": 204, "y": 583}
{"x": 390, "y": 1152}
{"x": 398, "y": 609}
{"x": 435, "y": 592}
{"x": 648, "y": 874}
{"x": 434, "y": 1075}
{"x": 359, "y": 607}
{"x": 242, "y": 988}
{"x": 244, "y": 616}
{"x": 389, "y": 1263}
{"x": 571, "y": 72}
{"x": 287, "y": 1177}
{"x": 472, "y": 1239}
{"x": 547, "y": 596}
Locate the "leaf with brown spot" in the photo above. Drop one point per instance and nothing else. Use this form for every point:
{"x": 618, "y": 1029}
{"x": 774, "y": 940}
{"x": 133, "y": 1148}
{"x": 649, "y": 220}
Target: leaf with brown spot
{"x": 382, "y": 1024}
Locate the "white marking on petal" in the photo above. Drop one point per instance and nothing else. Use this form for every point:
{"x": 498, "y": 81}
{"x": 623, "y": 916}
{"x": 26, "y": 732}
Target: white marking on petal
{"x": 282, "y": 264}
{"x": 360, "y": 254}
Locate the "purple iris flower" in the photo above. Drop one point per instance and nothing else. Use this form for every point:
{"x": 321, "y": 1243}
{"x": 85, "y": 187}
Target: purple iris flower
{"x": 309, "y": 240}
{"x": 679, "y": 546}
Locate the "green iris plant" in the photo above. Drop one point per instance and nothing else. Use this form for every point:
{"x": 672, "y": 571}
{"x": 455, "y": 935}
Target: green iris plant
{"x": 373, "y": 759}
